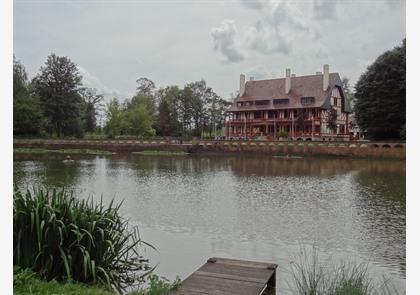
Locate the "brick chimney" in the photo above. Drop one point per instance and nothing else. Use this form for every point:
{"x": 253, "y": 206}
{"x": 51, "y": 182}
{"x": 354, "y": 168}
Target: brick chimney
{"x": 326, "y": 77}
{"x": 288, "y": 84}
{"x": 241, "y": 84}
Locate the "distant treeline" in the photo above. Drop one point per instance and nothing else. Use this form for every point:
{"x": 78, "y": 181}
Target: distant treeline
{"x": 55, "y": 103}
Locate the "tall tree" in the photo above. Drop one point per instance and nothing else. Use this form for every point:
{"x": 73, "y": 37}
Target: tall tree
{"x": 145, "y": 95}
{"x": 92, "y": 104}
{"x": 380, "y": 94}
{"x": 27, "y": 117}
{"x": 114, "y": 119}
{"x": 57, "y": 86}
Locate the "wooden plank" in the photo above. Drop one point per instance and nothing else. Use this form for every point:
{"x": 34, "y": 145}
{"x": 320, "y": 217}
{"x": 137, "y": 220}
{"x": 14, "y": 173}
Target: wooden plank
{"x": 221, "y": 276}
{"x": 248, "y": 272}
{"x": 217, "y": 285}
{"x": 230, "y": 277}
{"x": 245, "y": 263}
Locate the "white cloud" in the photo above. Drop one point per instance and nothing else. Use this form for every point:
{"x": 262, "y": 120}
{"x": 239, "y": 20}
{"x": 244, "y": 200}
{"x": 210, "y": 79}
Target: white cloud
{"x": 226, "y": 42}
{"x": 91, "y": 81}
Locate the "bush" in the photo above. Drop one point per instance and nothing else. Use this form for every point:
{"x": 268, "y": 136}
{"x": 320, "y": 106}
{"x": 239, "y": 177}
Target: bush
{"x": 283, "y": 134}
{"x": 62, "y": 238}
{"x": 158, "y": 286}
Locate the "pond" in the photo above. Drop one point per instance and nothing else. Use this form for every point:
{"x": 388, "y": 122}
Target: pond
{"x": 255, "y": 208}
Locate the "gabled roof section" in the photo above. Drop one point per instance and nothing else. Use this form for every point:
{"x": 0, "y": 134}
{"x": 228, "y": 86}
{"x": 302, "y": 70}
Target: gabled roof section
{"x": 302, "y": 86}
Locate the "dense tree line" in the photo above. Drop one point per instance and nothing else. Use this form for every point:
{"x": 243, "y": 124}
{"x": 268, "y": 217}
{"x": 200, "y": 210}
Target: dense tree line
{"x": 380, "y": 96}
{"x": 55, "y": 103}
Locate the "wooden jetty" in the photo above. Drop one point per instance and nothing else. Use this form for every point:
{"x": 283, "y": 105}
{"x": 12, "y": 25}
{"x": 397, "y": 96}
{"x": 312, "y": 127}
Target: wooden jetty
{"x": 223, "y": 276}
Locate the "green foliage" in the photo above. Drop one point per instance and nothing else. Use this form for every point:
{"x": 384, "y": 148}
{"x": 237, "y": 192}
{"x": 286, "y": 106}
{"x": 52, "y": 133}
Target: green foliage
{"x": 138, "y": 121}
{"x": 57, "y": 104}
{"x": 41, "y": 151}
{"x": 27, "y": 116}
{"x": 192, "y": 111}
{"x": 158, "y": 286}
{"x": 402, "y": 132}
{"x": 92, "y": 102}
{"x": 381, "y": 95}
{"x": 64, "y": 238}
{"x": 57, "y": 86}
{"x": 27, "y": 282}
{"x": 282, "y": 134}
{"x": 132, "y": 119}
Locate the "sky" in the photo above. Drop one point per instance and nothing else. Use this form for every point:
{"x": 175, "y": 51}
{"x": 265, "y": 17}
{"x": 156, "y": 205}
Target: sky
{"x": 177, "y": 42}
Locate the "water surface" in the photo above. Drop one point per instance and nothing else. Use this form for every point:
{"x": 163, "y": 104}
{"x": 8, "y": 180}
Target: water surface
{"x": 255, "y": 208}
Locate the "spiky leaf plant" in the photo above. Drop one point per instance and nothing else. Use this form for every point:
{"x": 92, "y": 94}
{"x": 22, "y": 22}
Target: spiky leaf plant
{"x": 64, "y": 238}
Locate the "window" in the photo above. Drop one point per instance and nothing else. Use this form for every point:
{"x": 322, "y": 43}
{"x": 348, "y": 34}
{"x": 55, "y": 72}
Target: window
{"x": 244, "y": 103}
{"x": 280, "y": 101}
{"x": 307, "y": 100}
{"x": 262, "y": 102}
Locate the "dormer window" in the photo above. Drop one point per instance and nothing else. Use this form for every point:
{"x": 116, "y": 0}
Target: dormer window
{"x": 244, "y": 104}
{"x": 281, "y": 101}
{"x": 307, "y": 100}
{"x": 262, "y": 102}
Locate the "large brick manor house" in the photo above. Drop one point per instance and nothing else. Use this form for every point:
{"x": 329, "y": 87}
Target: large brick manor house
{"x": 312, "y": 107}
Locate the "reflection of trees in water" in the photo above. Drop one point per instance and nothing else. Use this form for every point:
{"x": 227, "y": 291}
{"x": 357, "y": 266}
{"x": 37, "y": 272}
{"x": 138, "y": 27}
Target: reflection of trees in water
{"x": 265, "y": 166}
{"x": 380, "y": 202}
{"x": 251, "y": 165}
{"x": 47, "y": 171}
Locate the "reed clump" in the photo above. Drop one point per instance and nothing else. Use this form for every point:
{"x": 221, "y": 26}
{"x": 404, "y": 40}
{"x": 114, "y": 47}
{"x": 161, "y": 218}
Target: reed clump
{"x": 64, "y": 238}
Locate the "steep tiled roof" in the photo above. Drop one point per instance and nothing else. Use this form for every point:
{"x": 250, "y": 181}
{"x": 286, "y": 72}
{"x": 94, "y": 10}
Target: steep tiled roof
{"x": 303, "y": 86}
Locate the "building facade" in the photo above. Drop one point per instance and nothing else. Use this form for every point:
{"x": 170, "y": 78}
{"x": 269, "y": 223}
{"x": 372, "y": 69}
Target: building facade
{"x": 312, "y": 107}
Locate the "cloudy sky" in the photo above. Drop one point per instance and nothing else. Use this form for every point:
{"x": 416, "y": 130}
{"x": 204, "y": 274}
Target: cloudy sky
{"x": 176, "y": 42}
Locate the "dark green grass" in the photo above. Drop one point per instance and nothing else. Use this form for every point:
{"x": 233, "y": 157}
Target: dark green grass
{"x": 161, "y": 153}
{"x": 27, "y": 282}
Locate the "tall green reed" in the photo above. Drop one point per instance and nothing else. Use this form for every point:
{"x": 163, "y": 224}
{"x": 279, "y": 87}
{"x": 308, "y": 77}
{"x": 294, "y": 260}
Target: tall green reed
{"x": 64, "y": 238}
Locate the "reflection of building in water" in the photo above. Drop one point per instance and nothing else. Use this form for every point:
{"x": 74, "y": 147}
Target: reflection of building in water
{"x": 299, "y": 107}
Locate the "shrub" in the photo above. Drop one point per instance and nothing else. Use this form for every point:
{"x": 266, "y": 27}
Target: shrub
{"x": 282, "y": 134}
{"x": 158, "y": 286}
{"x": 63, "y": 238}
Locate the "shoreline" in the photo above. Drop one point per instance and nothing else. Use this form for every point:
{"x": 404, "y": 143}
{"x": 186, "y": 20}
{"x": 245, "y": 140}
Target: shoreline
{"x": 385, "y": 150}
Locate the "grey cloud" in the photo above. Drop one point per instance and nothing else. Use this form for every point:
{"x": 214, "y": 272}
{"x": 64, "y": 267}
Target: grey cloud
{"x": 266, "y": 39}
{"x": 254, "y": 4}
{"x": 259, "y": 72}
{"x": 285, "y": 13}
{"x": 225, "y": 41}
{"x": 325, "y": 9}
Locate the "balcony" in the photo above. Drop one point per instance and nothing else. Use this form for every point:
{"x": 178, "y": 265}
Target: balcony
{"x": 270, "y": 120}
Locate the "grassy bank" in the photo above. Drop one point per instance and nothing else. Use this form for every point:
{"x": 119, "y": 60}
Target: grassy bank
{"x": 27, "y": 282}
{"x": 42, "y": 151}
{"x": 161, "y": 153}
